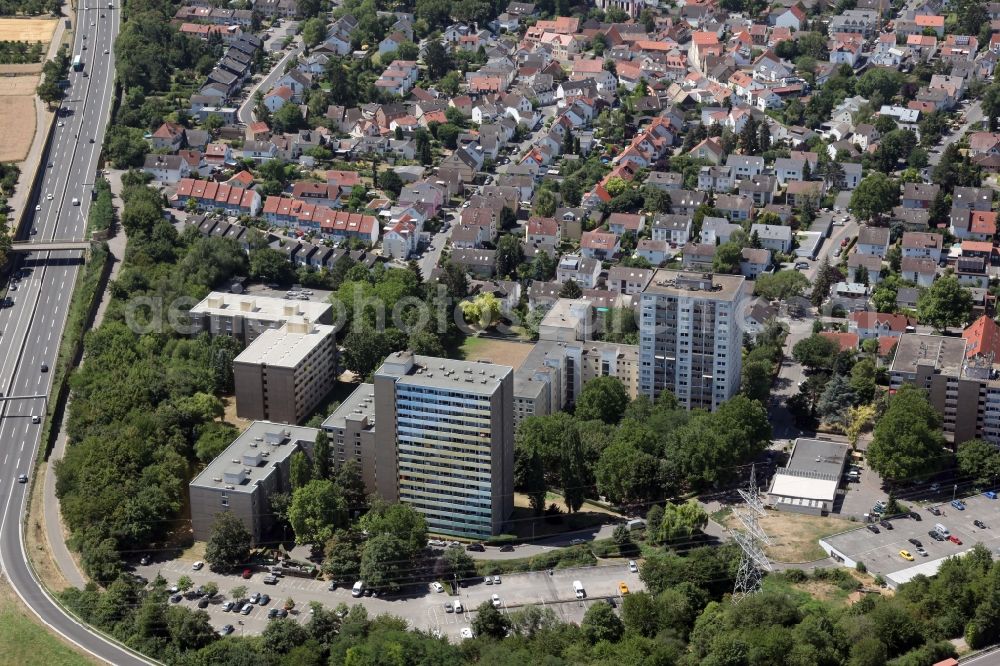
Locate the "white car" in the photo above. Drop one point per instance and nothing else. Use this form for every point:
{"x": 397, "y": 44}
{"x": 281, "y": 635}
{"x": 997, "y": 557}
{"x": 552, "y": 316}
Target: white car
{"x": 38, "y": 207}
{"x": 633, "y": 567}
{"x": 466, "y": 632}
{"x": 496, "y": 600}
{"x": 198, "y": 565}
{"x": 437, "y": 587}
{"x": 48, "y": 196}
{"x": 61, "y": 124}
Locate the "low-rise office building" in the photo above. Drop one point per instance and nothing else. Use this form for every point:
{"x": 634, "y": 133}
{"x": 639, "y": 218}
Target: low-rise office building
{"x": 244, "y": 477}
{"x": 285, "y": 373}
{"x": 245, "y": 317}
{"x": 810, "y": 481}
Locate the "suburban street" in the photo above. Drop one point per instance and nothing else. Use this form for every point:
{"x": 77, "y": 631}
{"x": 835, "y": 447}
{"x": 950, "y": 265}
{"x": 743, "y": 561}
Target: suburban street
{"x": 973, "y": 114}
{"x": 245, "y": 112}
{"x": 32, "y": 327}
{"x": 421, "y": 607}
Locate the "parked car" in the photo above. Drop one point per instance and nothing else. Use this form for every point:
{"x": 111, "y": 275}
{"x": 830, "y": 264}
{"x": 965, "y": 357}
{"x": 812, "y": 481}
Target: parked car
{"x": 466, "y": 632}
{"x": 958, "y": 504}
{"x": 507, "y": 548}
{"x": 203, "y": 602}
{"x": 197, "y": 566}
{"x": 264, "y": 600}
{"x": 872, "y": 528}
{"x": 144, "y": 560}
{"x": 476, "y": 547}
{"x": 254, "y": 598}
{"x": 934, "y": 534}
{"x": 228, "y": 606}
{"x": 934, "y": 510}
{"x": 633, "y": 567}
{"x": 247, "y": 573}
{"x": 488, "y": 580}
{"x": 915, "y": 542}
{"x": 496, "y": 600}
{"x": 448, "y": 607}
{"x": 246, "y": 609}
{"x": 270, "y": 579}
{"x": 921, "y": 552}
{"x": 980, "y": 524}
{"x": 905, "y": 554}
{"x": 226, "y": 630}
{"x": 496, "y": 580}
{"x": 915, "y": 516}
{"x": 990, "y": 494}
{"x": 622, "y": 588}
{"x": 954, "y": 539}
{"x": 885, "y": 523}
{"x": 176, "y": 598}
{"x": 437, "y": 587}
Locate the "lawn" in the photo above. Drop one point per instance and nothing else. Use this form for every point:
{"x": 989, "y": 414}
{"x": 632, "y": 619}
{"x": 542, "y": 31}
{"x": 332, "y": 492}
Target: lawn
{"x": 794, "y": 536}
{"x": 24, "y": 641}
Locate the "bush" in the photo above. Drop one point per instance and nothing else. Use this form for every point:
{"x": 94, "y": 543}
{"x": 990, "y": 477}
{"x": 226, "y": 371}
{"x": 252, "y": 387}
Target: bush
{"x": 562, "y": 558}
{"x": 501, "y": 540}
{"x": 796, "y": 576}
{"x": 861, "y": 568}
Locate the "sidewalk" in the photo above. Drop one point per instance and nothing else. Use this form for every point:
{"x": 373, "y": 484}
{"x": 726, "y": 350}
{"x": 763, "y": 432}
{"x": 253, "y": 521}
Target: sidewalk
{"x": 43, "y": 118}
{"x": 55, "y": 531}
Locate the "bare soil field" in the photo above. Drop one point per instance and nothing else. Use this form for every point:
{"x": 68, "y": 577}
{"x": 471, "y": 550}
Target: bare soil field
{"x": 21, "y": 70}
{"x": 27, "y": 29}
{"x": 501, "y": 352}
{"x": 17, "y": 121}
{"x": 794, "y": 536}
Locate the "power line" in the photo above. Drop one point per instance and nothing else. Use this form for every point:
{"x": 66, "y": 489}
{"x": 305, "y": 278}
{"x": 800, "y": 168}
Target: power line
{"x": 753, "y": 562}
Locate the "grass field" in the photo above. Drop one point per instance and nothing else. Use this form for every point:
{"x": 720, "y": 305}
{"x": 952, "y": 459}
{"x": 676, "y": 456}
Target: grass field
{"x": 794, "y": 536}
{"x": 27, "y": 29}
{"x": 502, "y": 352}
{"x": 23, "y": 641}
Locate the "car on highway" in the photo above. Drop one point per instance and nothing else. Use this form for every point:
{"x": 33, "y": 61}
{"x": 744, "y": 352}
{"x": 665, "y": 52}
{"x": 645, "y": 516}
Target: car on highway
{"x": 226, "y": 630}
{"x": 905, "y": 554}
{"x": 48, "y": 197}
{"x": 247, "y": 608}
{"x": 980, "y": 524}
{"x": 22, "y": 478}
{"x": 45, "y": 367}
{"x": 466, "y": 632}
{"x": 36, "y": 419}
{"x": 954, "y": 539}
{"x": 37, "y": 208}
{"x": 633, "y": 567}
{"x": 197, "y": 566}
{"x": 958, "y": 504}
{"x": 622, "y": 588}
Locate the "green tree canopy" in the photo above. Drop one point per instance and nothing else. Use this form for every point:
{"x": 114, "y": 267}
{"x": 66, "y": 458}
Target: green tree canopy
{"x": 907, "y": 443}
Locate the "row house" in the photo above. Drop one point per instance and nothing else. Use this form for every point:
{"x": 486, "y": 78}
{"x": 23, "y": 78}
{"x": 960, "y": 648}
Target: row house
{"x": 215, "y": 16}
{"x": 210, "y": 195}
{"x": 672, "y": 228}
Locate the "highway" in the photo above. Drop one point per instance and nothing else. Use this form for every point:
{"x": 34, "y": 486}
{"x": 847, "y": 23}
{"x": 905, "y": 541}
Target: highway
{"x": 31, "y": 329}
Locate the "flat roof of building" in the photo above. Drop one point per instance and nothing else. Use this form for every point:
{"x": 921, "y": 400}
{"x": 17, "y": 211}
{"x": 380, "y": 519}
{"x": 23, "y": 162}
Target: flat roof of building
{"x": 945, "y": 354}
{"x": 360, "y": 404}
{"x": 287, "y": 346}
{"x": 253, "y": 456}
{"x": 694, "y": 284}
{"x": 260, "y": 307}
{"x": 812, "y": 474}
{"x": 444, "y": 373}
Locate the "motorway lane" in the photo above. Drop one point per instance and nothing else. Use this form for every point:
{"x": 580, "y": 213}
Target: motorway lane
{"x": 32, "y": 327}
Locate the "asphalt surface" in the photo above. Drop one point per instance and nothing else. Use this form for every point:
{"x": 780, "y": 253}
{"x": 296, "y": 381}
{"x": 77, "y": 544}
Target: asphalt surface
{"x": 245, "y": 113}
{"x": 32, "y": 327}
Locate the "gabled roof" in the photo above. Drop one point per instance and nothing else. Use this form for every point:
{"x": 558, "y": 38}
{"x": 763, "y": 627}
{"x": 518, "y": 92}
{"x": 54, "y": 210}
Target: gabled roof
{"x": 983, "y": 338}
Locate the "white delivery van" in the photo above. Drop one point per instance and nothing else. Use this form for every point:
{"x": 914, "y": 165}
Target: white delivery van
{"x": 358, "y": 589}
{"x": 578, "y": 588}
{"x": 457, "y": 605}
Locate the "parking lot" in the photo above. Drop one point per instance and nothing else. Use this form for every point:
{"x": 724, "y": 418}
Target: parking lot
{"x": 423, "y": 609}
{"x": 880, "y": 552}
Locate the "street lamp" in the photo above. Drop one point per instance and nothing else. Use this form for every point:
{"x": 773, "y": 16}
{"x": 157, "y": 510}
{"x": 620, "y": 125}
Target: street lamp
{"x": 954, "y": 490}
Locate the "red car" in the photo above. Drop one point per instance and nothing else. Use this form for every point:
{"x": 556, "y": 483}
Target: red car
{"x": 955, "y": 540}
{"x": 247, "y": 573}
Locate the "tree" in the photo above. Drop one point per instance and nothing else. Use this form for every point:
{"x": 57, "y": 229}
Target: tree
{"x": 529, "y": 477}
{"x": 862, "y": 380}
{"x": 573, "y": 470}
{"x": 570, "y": 289}
{"x": 755, "y": 379}
{"x": 447, "y": 134}
{"x": 876, "y": 194}
{"x": 184, "y": 583}
{"x": 455, "y": 564}
{"x": 342, "y": 555}
{"x": 781, "y": 286}
{"x": 382, "y": 567}
{"x": 300, "y": 471}
{"x": 313, "y": 31}
{"x": 654, "y": 522}
{"x": 602, "y": 398}
{"x": 390, "y": 182}
{"x": 815, "y": 352}
{"x": 401, "y": 520}
{"x": 483, "y": 311}
{"x": 826, "y": 277}
{"x": 490, "y": 622}
{"x": 907, "y": 443}
{"x": 125, "y": 146}
{"x": 322, "y": 460}
{"x": 317, "y": 510}
{"x": 945, "y": 304}
{"x": 352, "y": 486}
{"x": 837, "y": 398}
{"x": 437, "y": 59}
{"x": 600, "y": 623}
{"x": 229, "y": 543}
{"x": 238, "y": 593}
{"x": 509, "y": 255}
{"x": 979, "y": 460}
{"x": 681, "y": 521}
{"x": 727, "y": 258}
{"x": 545, "y": 203}
{"x": 626, "y": 475}
{"x": 269, "y": 265}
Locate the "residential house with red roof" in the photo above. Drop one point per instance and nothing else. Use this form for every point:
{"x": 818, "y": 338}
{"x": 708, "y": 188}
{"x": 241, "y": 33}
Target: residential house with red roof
{"x": 871, "y": 325}
{"x": 168, "y": 136}
{"x": 277, "y": 98}
{"x": 982, "y": 338}
{"x": 599, "y": 245}
{"x": 542, "y": 230}
{"x": 210, "y": 195}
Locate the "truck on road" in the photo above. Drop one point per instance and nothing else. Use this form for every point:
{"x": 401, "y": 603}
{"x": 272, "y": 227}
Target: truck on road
{"x": 77, "y": 63}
